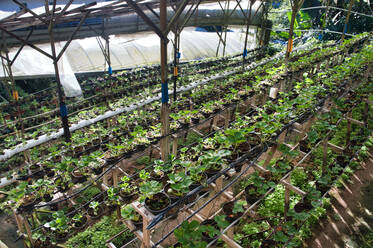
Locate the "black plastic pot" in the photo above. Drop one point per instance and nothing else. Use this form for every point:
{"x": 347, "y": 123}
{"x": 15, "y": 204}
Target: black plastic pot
{"x": 127, "y": 197}
{"x": 61, "y": 237}
{"x": 81, "y": 225}
{"x": 77, "y": 177}
{"x": 195, "y": 120}
{"x": 303, "y": 146}
{"x": 301, "y": 207}
{"x": 97, "y": 170}
{"x": 161, "y": 199}
{"x": 47, "y": 197}
{"x": 250, "y": 198}
{"x": 100, "y": 212}
{"x": 205, "y": 236}
{"x": 172, "y": 197}
{"x": 211, "y": 172}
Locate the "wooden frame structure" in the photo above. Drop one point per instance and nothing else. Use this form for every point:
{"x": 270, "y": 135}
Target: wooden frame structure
{"x": 209, "y": 207}
{"x": 54, "y": 15}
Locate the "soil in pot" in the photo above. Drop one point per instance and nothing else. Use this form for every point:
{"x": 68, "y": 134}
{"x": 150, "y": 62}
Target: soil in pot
{"x": 268, "y": 243}
{"x": 303, "y": 146}
{"x": 158, "y": 203}
{"x": 228, "y": 211}
{"x": 322, "y": 188}
{"x": 250, "y": 198}
{"x": 342, "y": 161}
{"x": 244, "y": 148}
{"x": 127, "y": 197}
{"x": 61, "y": 237}
{"x": 81, "y": 224}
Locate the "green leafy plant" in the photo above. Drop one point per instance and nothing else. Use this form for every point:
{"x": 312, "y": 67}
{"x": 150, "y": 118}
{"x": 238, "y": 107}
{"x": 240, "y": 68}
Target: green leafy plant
{"x": 94, "y": 205}
{"x": 150, "y": 188}
{"x": 129, "y": 213}
{"x": 179, "y": 183}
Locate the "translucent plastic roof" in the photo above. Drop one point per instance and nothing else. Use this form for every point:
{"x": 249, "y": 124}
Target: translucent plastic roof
{"x": 126, "y": 51}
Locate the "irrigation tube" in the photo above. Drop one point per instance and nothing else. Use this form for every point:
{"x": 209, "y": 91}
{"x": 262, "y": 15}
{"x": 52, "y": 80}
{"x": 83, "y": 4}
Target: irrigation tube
{"x": 324, "y": 7}
{"x": 312, "y": 30}
{"x": 84, "y": 123}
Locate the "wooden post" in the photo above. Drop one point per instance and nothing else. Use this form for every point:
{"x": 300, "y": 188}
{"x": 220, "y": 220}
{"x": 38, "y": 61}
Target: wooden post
{"x": 348, "y": 132}
{"x": 227, "y": 117}
{"x": 287, "y": 198}
{"x": 296, "y": 4}
{"x": 175, "y": 145}
{"x": 251, "y": 2}
{"x": 366, "y": 113}
{"x": 165, "y": 112}
{"x": 347, "y": 19}
{"x": 28, "y": 230}
{"x": 325, "y": 155}
{"x": 63, "y": 107}
{"x": 19, "y": 221}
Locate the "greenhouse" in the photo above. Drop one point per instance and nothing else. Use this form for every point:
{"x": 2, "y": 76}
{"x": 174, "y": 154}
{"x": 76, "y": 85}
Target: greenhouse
{"x": 186, "y": 123}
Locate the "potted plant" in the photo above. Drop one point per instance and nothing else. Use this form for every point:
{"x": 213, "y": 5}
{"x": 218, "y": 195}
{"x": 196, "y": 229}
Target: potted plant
{"x": 112, "y": 198}
{"x": 129, "y": 213}
{"x": 189, "y": 235}
{"x": 234, "y": 209}
{"x": 59, "y": 226}
{"x": 323, "y": 183}
{"x": 258, "y": 186}
{"x": 211, "y": 227}
{"x": 63, "y": 182}
{"x": 178, "y": 185}
{"x": 160, "y": 170}
{"x": 95, "y": 210}
{"x": 96, "y": 164}
{"x": 154, "y": 200}
{"x": 79, "y": 221}
{"x": 213, "y": 161}
{"x": 127, "y": 189}
{"x": 81, "y": 169}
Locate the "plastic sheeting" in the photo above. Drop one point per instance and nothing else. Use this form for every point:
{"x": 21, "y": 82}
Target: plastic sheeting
{"x": 31, "y": 63}
{"x": 139, "y": 49}
{"x": 126, "y": 51}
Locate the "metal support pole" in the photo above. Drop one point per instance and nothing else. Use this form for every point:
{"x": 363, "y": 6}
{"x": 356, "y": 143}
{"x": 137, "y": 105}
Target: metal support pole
{"x": 165, "y": 112}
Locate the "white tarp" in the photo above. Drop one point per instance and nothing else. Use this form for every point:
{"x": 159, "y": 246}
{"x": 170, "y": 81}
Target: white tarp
{"x": 138, "y": 49}
{"x": 31, "y": 63}
{"x": 126, "y": 51}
